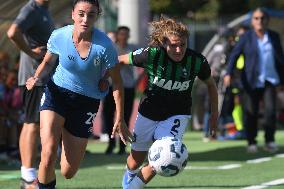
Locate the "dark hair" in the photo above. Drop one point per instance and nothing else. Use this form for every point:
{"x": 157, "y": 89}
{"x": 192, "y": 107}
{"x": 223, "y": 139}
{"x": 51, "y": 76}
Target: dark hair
{"x": 93, "y": 2}
{"x": 263, "y": 10}
{"x": 119, "y": 28}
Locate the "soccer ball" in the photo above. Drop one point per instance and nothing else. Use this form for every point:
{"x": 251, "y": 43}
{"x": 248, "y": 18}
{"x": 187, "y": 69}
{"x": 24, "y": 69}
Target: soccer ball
{"x": 168, "y": 156}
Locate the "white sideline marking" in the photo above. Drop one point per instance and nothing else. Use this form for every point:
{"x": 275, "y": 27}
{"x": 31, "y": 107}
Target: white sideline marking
{"x": 9, "y": 176}
{"x": 223, "y": 167}
{"x": 198, "y": 168}
{"x": 279, "y": 155}
{"x": 259, "y": 160}
{"x": 115, "y": 167}
{"x": 266, "y": 184}
{"x": 229, "y": 166}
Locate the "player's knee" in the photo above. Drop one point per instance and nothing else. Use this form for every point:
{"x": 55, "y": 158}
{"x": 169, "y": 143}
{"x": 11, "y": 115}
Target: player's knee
{"x": 68, "y": 173}
{"x": 135, "y": 160}
{"x": 31, "y": 130}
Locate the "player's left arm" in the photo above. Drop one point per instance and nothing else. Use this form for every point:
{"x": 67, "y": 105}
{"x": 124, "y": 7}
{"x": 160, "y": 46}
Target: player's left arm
{"x": 205, "y": 75}
{"x": 213, "y": 95}
{"x": 118, "y": 95}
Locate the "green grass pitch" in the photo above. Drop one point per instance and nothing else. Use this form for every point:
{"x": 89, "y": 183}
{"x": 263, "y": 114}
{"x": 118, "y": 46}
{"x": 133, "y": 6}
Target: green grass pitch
{"x": 205, "y": 168}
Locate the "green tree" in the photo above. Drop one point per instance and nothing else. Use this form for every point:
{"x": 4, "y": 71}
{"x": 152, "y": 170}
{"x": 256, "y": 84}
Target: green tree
{"x": 176, "y": 8}
{"x": 209, "y": 9}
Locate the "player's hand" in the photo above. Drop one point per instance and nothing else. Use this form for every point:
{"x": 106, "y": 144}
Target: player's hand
{"x": 227, "y": 80}
{"x": 123, "y": 131}
{"x": 30, "y": 83}
{"x": 213, "y": 124}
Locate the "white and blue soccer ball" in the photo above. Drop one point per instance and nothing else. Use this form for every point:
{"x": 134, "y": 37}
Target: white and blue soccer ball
{"x": 168, "y": 156}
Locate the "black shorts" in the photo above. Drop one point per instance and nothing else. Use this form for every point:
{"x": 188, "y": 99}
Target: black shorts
{"x": 78, "y": 110}
{"x": 31, "y": 103}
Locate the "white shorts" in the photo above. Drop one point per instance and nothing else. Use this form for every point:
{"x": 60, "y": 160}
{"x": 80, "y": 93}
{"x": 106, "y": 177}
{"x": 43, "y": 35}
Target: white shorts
{"x": 146, "y": 131}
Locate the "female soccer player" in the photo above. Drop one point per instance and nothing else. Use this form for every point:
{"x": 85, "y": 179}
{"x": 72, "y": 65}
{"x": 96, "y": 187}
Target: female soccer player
{"x": 71, "y": 99}
{"x": 165, "y": 108}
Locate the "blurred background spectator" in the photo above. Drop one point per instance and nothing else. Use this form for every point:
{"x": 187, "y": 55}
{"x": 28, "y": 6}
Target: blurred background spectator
{"x": 10, "y": 110}
{"x": 263, "y": 71}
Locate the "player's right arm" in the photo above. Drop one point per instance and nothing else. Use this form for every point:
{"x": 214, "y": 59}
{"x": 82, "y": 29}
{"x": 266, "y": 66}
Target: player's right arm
{"x": 16, "y": 36}
{"x": 43, "y": 70}
{"x": 124, "y": 59}
{"x": 137, "y": 58}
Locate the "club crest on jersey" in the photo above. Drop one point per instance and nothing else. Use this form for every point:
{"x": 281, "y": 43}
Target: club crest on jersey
{"x": 170, "y": 85}
{"x": 97, "y": 61}
{"x": 184, "y": 73}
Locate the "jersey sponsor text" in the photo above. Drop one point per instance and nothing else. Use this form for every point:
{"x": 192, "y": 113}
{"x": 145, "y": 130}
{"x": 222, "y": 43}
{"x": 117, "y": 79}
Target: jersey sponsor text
{"x": 170, "y": 85}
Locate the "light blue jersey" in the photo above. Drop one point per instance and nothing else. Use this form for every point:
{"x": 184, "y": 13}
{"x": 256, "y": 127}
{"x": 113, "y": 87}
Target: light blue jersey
{"x": 81, "y": 75}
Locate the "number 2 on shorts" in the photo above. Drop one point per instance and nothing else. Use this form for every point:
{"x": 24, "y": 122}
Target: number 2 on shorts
{"x": 176, "y": 125}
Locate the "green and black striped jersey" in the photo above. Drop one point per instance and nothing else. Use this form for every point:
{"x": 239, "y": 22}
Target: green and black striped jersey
{"x": 169, "y": 83}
